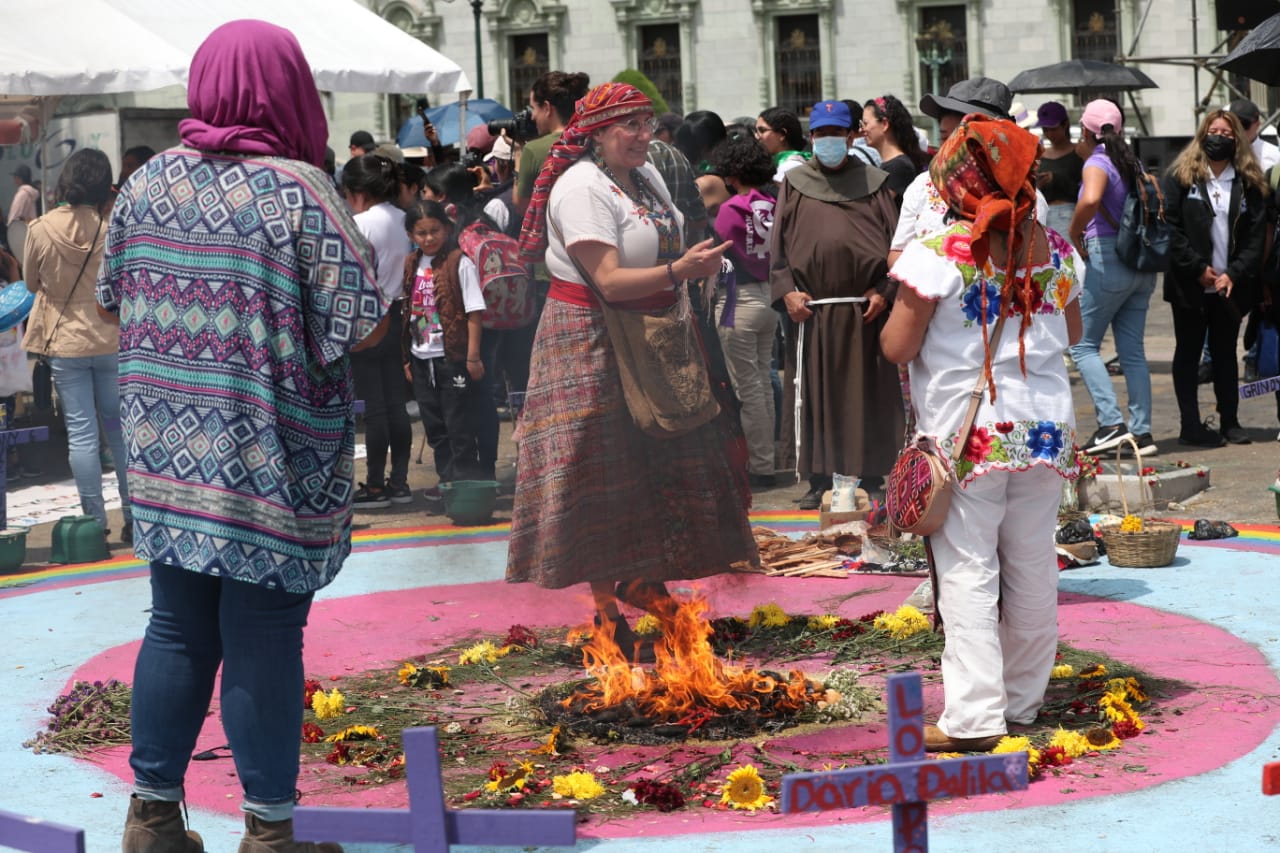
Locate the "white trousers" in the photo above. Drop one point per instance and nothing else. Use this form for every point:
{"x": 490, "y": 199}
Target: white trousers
{"x": 998, "y": 595}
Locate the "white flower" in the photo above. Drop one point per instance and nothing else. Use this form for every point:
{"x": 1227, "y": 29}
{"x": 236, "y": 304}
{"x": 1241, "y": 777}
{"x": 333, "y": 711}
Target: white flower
{"x": 629, "y": 797}
{"x": 453, "y": 728}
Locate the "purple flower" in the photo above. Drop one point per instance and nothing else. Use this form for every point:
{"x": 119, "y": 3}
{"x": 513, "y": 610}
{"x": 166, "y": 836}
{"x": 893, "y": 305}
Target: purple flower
{"x": 1044, "y": 440}
{"x": 973, "y": 301}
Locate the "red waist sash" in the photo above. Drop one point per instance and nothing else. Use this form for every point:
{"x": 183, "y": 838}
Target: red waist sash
{"x": 585, "y": 297}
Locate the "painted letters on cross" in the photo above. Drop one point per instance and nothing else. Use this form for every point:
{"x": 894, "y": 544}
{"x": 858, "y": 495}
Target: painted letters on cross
{"x": 908, "y": 782}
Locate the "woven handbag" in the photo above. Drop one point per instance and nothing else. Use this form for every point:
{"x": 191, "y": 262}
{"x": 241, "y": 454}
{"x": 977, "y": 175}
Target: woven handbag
{"x": 918, "y": 488}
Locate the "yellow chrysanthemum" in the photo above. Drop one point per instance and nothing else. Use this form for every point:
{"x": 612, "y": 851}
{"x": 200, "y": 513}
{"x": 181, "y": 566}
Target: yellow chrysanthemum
{"x": 1064, "y": 670}
{"x": 328, "y": 705}
{"x": 768, "y": 615}
{"x": 824, "y": 622}
{"x": 744, "y": 789}
{"x": 903, "y": 622}
{"x": 578, "y": 785}
{"x": 483, "y": 652}
{"x": 355, "y": 733}
{"x": 513, "y": 781}
{"x": 1009, "y": 743}
{"x": 1102, "y": 739}
{"x": 1116, "y": 708}
{"x": 1131, "y": 524}
{"x": 648, "y": 626}
{"x": 1073, "y": 743}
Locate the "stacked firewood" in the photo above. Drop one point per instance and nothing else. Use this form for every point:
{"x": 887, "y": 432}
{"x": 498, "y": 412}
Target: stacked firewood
{"x": 818, "y": 555}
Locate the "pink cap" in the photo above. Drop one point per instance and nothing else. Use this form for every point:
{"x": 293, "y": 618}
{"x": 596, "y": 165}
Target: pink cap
{"x": 1098, "y": 114}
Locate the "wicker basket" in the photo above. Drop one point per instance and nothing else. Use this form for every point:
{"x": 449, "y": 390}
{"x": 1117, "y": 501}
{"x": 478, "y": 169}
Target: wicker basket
{"x": 1152, "y": 548}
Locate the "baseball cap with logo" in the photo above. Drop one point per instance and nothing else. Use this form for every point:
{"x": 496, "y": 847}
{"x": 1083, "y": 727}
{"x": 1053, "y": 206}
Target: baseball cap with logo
{"x": 830, "y": 114}
{"x": 975, "y": 95}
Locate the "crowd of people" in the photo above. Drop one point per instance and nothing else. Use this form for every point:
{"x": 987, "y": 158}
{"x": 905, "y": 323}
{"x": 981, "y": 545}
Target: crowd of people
{"x": 846, "y": 283}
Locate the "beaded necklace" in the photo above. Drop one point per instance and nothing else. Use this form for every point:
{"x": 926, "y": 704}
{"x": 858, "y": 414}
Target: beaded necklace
{"x": 649, "y": 207}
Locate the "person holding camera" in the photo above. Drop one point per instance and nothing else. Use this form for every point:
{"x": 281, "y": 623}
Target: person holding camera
{"x": 551, "y": 102}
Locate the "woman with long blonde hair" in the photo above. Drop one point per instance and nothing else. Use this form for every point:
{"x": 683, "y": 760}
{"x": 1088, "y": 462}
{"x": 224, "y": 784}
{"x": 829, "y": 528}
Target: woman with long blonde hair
{"x": 1214, "y": 197}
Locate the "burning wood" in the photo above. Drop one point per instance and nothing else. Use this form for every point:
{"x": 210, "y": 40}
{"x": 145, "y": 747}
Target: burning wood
{"x": 689, "y": 690}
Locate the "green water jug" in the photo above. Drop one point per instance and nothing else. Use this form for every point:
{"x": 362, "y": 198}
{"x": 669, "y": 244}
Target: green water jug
{"x": 78, "y": 539}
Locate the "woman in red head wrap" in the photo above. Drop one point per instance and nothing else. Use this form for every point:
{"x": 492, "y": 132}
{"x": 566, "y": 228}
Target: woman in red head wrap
{"x": 996, "y": 584}
{"x": 597, "y": 500}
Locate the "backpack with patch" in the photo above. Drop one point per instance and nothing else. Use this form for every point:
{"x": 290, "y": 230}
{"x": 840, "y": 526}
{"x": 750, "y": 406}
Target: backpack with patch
{"x": 506, "y": 282}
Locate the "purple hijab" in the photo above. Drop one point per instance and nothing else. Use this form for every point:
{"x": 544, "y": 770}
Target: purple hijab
{"x": 251, "y": 91}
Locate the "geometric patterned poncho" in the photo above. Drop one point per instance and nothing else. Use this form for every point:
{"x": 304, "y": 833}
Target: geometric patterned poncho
{"x": 241, "y": 284}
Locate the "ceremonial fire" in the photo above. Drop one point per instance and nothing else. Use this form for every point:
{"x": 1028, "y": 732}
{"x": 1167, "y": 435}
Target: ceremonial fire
{"x": 688, "y": 690}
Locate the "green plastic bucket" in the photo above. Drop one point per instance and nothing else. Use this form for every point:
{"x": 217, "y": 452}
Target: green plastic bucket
{"x": 469, "y": 502}
{"x": 13, "y": 548}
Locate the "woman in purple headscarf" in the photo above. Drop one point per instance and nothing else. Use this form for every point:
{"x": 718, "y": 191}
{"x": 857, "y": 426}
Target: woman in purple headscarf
{"x": 241, "y": 284}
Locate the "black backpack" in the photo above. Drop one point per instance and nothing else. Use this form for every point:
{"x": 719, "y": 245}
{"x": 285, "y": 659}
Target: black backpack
{"x": 1143, "y": 238}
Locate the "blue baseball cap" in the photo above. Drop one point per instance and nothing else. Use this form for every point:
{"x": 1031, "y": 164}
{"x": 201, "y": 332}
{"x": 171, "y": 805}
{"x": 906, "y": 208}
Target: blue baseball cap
{"x": 830, "y": 114}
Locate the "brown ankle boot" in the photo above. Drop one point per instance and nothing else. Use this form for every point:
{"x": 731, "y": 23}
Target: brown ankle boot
{"x": 157, "y": 827}
{"x": 276, "y": 836}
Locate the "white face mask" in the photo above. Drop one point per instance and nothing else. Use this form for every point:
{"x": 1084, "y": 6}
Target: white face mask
{"x": 830, "y": 150}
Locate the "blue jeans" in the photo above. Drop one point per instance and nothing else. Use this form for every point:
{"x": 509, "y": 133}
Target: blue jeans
{"x": 198, "y": 622}
{"x": 1115, "y": 296}
{"x": 89, "y": 389}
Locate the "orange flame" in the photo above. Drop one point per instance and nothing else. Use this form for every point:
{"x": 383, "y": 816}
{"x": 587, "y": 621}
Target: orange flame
{"x": 688, "y": 682}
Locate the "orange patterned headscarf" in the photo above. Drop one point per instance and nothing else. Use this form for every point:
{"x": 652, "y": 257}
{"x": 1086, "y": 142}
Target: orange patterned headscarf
{"x": 985, "y": 172}
{"x": 602, "y": 106}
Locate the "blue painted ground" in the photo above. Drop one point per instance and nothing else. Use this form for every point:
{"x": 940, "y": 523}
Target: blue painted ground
{"x": 49, "y": 634}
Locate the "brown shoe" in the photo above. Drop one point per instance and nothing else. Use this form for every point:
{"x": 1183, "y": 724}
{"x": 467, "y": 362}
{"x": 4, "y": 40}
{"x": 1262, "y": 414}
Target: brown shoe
{"x": 276, "y": 836}
{"x": 154, "y": 826}
{"x": 936, "y": 740}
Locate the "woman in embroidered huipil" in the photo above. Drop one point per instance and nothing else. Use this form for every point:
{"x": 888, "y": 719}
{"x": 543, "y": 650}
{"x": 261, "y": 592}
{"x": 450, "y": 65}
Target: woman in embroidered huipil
{"x": 996, "y": 568}
{"x": 242, "y": 284}
{"x": 596, "y": 499}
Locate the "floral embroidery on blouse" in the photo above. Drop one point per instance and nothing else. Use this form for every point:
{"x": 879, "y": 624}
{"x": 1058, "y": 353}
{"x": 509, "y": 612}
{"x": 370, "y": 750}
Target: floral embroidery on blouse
{"x": 1053, "y": 280}
{"x": 1012, "y": 446}
{"x": 662, "y": 219}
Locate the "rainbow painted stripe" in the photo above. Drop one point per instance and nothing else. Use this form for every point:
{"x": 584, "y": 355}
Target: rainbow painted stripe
{"x": 1253, "y": 537}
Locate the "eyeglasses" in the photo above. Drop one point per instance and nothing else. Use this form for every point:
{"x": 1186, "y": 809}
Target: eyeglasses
{"x": 640, "y": 125}
{"x": 761, "y": 131}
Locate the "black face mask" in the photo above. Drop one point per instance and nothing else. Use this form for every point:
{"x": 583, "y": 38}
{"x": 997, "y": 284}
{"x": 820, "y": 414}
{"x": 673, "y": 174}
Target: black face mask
{"x": 1217, "y": 147}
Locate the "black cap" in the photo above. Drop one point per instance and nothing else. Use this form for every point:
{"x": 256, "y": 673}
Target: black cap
{"x": 363, "y": 139}
{"x": 975, "y": 95}
{"x": 1245, "y": 110}
{"x": 23, "y": 172}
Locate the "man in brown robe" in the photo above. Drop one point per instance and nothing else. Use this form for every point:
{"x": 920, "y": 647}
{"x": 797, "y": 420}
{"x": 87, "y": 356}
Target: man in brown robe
{"x": 831, "y": 233}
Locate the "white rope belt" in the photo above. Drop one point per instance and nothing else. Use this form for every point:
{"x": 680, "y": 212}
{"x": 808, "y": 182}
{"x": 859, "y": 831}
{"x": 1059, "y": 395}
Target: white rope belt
{"x": 798, "y": 380}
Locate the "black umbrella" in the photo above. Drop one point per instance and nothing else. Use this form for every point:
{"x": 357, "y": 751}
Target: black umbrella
{"x": 1257, "y": 56}
{"x": 1081, "y": 75}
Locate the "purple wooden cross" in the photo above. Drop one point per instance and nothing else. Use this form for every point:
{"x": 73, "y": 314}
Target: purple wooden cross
{"x": 909, "y": 781}
{"x": 430, "y": 825}
{"x": 39, "y": 836}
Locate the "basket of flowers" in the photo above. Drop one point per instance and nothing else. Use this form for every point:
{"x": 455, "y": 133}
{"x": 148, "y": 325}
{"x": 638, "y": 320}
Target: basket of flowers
{"x": 1137, "y": 542}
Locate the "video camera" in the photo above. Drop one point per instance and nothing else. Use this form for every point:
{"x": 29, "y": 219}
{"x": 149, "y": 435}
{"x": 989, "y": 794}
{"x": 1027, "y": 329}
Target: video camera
{"x": 520, "y": 127}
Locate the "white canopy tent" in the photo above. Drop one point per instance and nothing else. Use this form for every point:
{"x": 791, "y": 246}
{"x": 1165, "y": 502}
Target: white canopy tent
{"x": 79, "y": 47}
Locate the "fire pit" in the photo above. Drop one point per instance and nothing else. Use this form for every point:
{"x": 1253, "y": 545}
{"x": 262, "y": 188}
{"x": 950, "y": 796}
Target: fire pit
{"x": 689, "y": 692}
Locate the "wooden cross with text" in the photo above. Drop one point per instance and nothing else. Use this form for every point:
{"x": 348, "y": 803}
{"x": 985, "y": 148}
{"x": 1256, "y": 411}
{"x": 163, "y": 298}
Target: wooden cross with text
{"x": 909, "y": 782}
{"x": 429, "y": 825}
{"x": 18, "y": 832}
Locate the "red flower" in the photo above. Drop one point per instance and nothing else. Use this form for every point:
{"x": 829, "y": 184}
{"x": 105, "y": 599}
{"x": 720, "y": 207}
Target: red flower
{"x": 469, "y": 796}
{"x": 311, "y": 733}
{"x": 1125, "y": 729}
{"x": 519, "y": 635}
{"x": 1147, "y": 470}
{"x": 1004, "y": 427}
{"x": 309, "y": 687}
{"x": 978, "y": 445}
{"x": 958, "y": 247}
{"x": 1054, "y": 756}
{"x": 340, "y": 755}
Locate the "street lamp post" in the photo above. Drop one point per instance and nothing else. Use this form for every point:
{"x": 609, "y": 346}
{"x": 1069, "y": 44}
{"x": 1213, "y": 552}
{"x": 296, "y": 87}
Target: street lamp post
{"x": 475, "y": 10}
{"x": 934, "y": 45}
